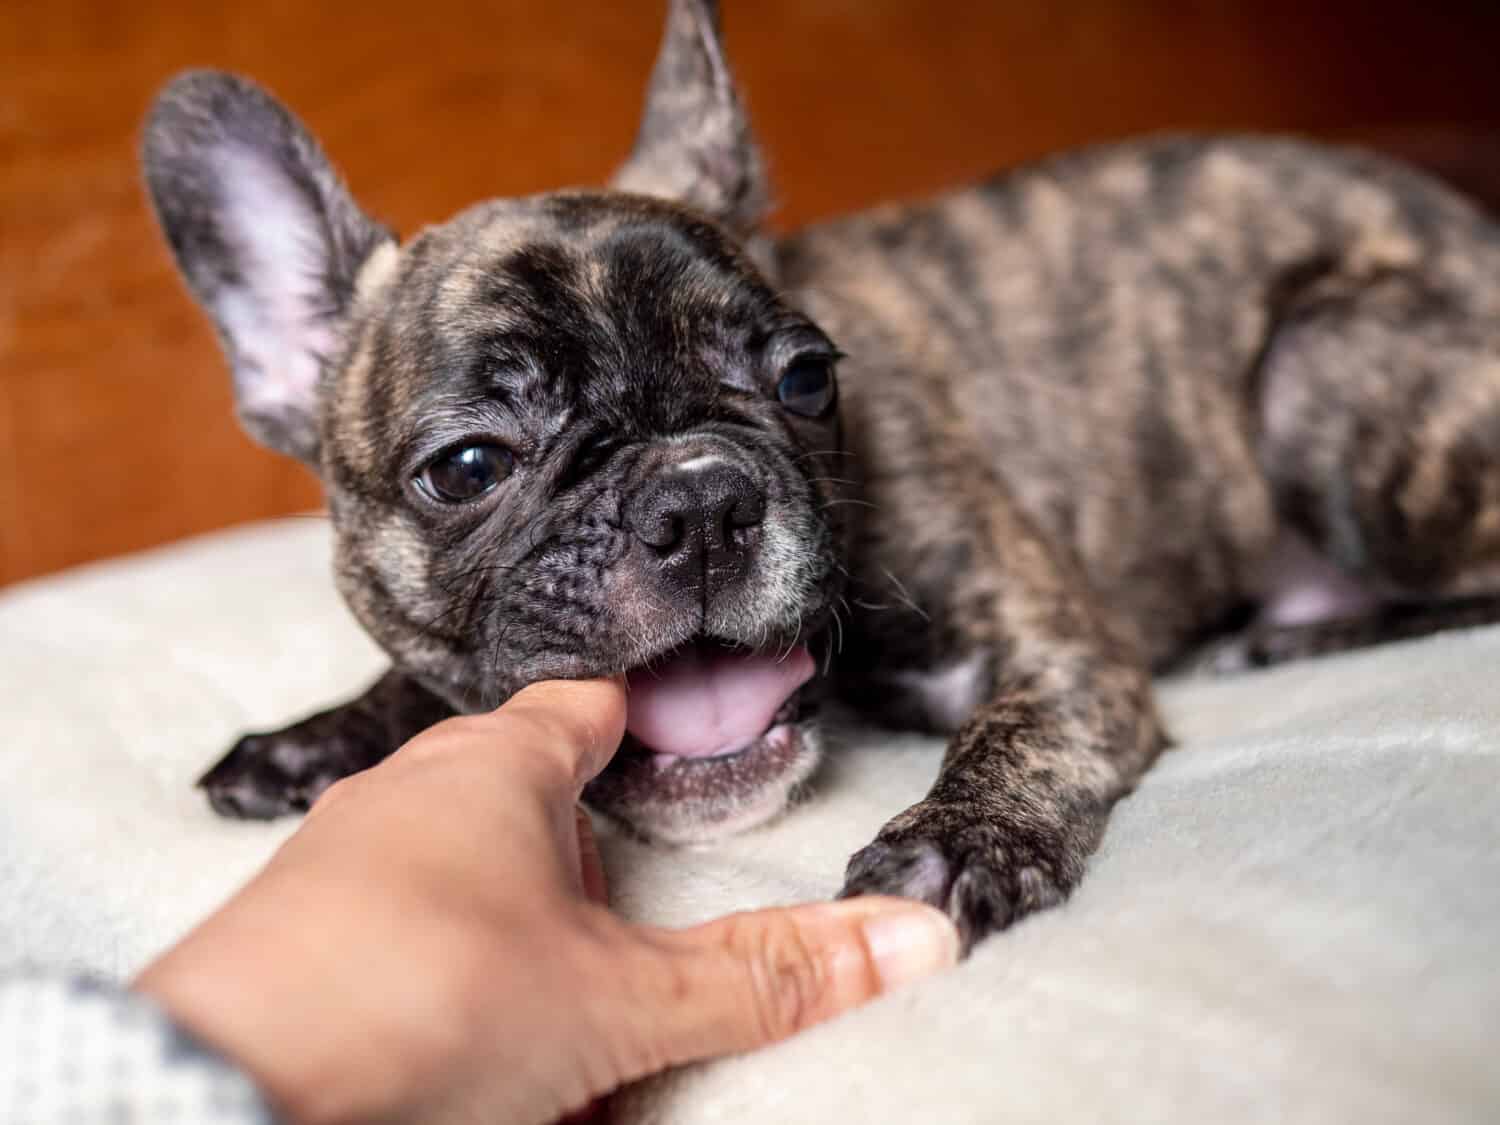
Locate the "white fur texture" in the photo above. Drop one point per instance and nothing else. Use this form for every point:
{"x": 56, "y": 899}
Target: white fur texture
{"x": 1294, "y": 919}
{"x": 948, "y": 695}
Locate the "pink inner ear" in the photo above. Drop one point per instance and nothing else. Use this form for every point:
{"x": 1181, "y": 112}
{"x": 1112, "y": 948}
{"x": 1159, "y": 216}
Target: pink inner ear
{"x": 272, "y": 316}
{"x": 702, "y": 702}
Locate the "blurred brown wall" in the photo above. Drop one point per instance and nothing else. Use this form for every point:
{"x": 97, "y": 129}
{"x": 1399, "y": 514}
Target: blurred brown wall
{"x": 115, "y": 421}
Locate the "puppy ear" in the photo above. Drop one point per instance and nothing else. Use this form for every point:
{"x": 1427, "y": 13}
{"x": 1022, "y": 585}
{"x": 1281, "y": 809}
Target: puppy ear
{"x": 268, "y": 238}
{"x": 694, "y": 143}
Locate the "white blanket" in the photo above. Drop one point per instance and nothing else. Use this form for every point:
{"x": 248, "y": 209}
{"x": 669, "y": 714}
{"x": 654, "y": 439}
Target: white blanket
{"x": 1296, "y": 917}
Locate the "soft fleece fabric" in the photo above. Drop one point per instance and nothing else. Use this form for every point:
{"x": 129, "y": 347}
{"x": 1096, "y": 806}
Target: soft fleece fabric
{"x": 1295, "y": 918}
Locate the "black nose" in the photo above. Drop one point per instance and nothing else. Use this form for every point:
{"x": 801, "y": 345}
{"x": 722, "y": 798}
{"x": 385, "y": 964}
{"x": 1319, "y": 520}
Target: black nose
{"x": 701, "y": 524}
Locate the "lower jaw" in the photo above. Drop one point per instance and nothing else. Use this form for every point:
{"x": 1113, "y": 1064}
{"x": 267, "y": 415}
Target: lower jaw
{"x": 677, "y": 800}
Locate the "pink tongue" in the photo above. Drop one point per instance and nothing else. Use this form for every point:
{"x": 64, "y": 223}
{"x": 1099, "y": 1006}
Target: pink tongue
{"x": 702, "y": 702}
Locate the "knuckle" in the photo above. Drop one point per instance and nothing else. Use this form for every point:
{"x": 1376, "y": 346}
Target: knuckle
{"x": 579, "y": 719}
{"x": 553, "y": 729}
{"x": 436, "y": 741}
{"x": 335, "y": 794}
{"x": 549, "y": 741}
{"x": 527, "y": 739}
{"x": 787, "y": 977}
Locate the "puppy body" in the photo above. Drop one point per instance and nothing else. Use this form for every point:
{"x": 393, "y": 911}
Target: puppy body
{"x": 1087, "y": 416}
{"x": 1101, "y": 406}
{"x": 1178, "y": 362}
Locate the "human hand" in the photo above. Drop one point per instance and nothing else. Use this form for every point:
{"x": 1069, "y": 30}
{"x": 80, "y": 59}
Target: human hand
{"x": 431, "y": 945}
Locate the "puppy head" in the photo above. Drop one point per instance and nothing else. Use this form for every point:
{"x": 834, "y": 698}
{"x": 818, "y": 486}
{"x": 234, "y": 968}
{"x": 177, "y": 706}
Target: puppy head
{"x": 571, "y": 435}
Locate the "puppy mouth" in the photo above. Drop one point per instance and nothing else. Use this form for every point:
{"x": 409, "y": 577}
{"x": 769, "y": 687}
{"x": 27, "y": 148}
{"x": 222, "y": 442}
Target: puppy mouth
{"x": 716, "y": 742}
{"x": 710, "y": 699}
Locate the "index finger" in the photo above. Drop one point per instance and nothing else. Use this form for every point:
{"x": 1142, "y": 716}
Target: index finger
{"x": 588, "y": 717}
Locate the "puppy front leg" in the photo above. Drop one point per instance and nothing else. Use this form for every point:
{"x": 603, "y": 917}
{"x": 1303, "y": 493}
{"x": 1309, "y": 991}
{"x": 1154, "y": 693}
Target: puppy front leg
{"x": 1027, "y": 783}
{"x": 284, "y": 771}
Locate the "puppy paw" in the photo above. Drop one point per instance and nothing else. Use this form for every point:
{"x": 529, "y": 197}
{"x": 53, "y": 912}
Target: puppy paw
{"x": 980, "y": 874}
{"x": 268, "y": 775}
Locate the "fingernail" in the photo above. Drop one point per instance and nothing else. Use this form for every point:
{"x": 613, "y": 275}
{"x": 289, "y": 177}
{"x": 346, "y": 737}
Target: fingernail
{"x": 910, "y": 942}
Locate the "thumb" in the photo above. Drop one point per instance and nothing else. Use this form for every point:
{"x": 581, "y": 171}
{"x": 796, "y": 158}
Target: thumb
{"x": 750, "y": 979}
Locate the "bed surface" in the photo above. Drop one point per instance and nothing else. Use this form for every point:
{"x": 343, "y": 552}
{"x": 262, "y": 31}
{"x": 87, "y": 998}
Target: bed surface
{"x": 1295, "y": 918}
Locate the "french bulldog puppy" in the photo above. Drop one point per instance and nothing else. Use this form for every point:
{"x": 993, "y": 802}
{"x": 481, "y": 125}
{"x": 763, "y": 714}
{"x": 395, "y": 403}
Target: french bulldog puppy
{"x": 979, "y": 465}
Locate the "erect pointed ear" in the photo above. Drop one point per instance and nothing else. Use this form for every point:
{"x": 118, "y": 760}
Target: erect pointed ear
{"x": 268, "y": 238}
{"x": 694, "y": 143}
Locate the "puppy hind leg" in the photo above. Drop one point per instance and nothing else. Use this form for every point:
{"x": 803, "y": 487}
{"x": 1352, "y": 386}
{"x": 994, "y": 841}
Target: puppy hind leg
{"x": 1265, "y": 644}
{"x": 1380, "y": 437}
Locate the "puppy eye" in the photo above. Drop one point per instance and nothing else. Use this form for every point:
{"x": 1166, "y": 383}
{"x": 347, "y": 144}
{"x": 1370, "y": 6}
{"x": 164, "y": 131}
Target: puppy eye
{"x": 807, "y": 386}
{"x": 462, "y": 474}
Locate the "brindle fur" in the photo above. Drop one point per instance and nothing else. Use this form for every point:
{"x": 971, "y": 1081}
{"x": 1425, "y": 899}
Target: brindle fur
{"x": 1083, "y": 406}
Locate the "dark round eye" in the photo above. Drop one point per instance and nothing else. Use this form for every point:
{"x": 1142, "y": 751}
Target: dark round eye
{"x": 462, "y": 474}
{"x": 807, "y": 387}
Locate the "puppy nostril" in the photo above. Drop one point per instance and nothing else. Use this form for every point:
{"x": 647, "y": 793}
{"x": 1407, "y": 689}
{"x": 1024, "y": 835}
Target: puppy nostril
{"x": 706, "y": 514}
{"x": 746, "y": 511}
{"x": 663, "y": 531}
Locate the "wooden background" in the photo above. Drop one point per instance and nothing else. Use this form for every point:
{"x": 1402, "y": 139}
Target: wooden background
{"x": 115, "y": 421}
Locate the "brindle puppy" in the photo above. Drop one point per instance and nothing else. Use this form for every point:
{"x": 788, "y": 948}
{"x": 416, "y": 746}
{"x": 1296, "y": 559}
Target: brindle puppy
{"x": 1087, "y": 416}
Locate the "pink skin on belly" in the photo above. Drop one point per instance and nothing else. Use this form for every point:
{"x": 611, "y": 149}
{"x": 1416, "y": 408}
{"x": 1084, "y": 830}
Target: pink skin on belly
{"x": 1300, "y": 586}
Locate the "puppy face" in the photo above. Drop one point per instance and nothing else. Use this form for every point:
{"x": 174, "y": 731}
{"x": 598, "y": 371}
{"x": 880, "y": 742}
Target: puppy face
{"x": 579, "y": 435}
{"x": 573, "y": 435}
